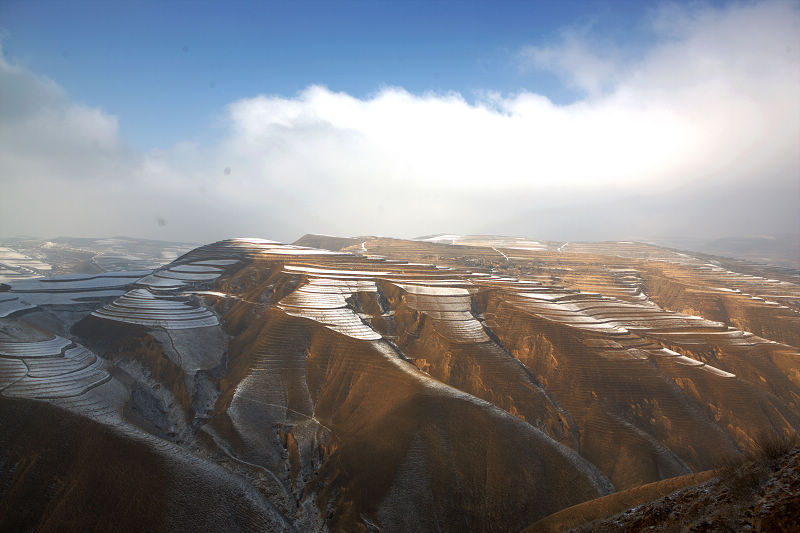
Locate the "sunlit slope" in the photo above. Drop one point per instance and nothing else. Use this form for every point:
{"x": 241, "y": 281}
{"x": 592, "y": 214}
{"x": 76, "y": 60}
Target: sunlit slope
{"x": 394, "y": 441}
{"x": 400, "y": 448}
{"x": 652, "y": 393}
{"x": 643, "y": 392}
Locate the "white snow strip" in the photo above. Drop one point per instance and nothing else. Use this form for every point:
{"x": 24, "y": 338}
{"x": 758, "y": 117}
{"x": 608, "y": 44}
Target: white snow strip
{"x": 333, "y": 271}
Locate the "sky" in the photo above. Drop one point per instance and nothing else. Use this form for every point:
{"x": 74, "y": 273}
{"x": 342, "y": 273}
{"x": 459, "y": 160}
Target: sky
{"x": 553, "y": 120}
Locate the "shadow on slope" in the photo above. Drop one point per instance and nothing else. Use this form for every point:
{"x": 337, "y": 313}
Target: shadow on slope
{"x": 61, "y": 472}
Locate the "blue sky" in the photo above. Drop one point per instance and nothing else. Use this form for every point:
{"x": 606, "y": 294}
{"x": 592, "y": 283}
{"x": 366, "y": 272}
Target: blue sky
{"x": 167, "y": 69}
{"x": 552, "y": 120}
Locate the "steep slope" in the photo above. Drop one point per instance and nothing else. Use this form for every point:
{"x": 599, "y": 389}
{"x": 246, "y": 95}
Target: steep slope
{"x": 398, "y": 439}
{"x": 64, "y": 472}
{"x": 758, "y": 494}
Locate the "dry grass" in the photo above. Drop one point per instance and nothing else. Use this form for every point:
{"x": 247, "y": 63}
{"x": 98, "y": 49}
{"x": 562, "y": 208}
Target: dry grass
{"x": 741, "y": 477}
{"x": 749, "y": 491}
{"x": 771, "y": 446}
{"x": 744, "y": 474}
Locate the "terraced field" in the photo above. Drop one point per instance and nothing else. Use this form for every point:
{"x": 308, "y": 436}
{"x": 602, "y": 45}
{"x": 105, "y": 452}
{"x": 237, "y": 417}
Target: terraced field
{"x": 449, "y": 383}
{"x": 15, "y": 265}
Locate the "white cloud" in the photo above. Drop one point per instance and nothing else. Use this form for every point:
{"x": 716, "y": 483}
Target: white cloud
{"x": 672, "y": 142}
{"x": 43, "y": 133}
{"x": 584, "y": 65}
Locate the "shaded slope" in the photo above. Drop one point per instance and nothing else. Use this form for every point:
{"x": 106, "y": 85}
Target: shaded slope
{"x": 62, "y": 472}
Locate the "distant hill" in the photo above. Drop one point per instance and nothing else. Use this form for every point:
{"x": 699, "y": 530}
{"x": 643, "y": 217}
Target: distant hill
{"x": 25, "y": 257}
{"x": 780, "y": 250}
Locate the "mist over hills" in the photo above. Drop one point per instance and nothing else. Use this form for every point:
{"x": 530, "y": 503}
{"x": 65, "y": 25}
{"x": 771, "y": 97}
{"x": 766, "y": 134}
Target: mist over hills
{"x": 449, "y": 383}
{"x": 781, "y": 249}
{"x": 673, "y": 119}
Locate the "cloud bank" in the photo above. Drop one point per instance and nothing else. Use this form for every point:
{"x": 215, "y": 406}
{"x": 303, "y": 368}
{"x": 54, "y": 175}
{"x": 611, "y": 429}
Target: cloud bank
{"x": 698, "y": 136}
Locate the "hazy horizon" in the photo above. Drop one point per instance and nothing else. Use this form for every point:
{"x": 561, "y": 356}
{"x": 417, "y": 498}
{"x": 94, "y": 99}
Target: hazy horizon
{"x": 595, "y": 121}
